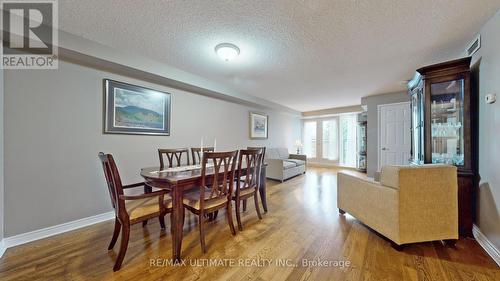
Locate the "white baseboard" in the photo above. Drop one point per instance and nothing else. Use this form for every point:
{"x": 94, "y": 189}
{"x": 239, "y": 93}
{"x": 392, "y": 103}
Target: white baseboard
{"x": 486, "y": 244}
{"x": 23, "y": 238}
{"x": 2, "y": 248}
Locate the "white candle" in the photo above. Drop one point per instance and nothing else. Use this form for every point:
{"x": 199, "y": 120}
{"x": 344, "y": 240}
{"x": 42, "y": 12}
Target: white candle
{"x": 201, "y": 150}
{"x": 215, "y": 144}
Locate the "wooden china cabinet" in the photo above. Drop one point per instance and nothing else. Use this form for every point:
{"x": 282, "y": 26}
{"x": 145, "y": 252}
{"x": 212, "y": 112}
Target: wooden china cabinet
{"x": 444, "y": 114}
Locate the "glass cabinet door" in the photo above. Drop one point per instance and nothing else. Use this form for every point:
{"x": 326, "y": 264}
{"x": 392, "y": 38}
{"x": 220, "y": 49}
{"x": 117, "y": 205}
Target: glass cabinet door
{"x": 362, "y": 138}
{"x": 447, "y": 133}
{"x": 417, "y": 140}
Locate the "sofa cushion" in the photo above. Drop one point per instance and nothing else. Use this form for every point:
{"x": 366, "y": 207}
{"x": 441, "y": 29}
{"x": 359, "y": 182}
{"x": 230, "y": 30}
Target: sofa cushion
{"x": 272, "y": 153}
{"x": 389, "y": 176}
{"x": 297, "y": 161}
{"x": 283, "y": 152}
{"x": 288, "y": 164}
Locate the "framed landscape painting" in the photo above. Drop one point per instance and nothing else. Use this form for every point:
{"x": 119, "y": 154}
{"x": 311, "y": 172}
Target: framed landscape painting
{"x": 258, "y": 126}
{"x": 130, "y": 109}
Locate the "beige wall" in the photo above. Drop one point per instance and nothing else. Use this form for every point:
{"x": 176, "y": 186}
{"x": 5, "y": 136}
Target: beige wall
{"x": 488, "y": 211}
{"x": 372, "y": 103}
{"x": 53, "y": 128}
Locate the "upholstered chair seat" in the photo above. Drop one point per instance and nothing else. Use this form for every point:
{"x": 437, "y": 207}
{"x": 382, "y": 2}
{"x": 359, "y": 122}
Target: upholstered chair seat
{"x": 192, "y": 200}
{"x": 147, "y": 207}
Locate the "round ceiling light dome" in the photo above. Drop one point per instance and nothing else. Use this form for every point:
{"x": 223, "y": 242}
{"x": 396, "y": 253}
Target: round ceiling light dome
{"x": 227, "y": 51}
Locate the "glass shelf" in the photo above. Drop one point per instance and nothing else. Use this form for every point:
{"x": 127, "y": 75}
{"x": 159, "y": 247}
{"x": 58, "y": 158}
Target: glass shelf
{"x": 447, "y": 132}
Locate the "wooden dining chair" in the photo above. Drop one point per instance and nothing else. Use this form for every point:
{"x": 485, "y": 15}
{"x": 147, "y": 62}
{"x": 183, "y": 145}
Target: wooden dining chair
{"x": 248, "y": 176}
{"x": 171, "y": 155}
{"x": 216, "y": 190}
{"x": 196, "y": 152}
{"x": 131, "y": 209}
{"x": 262, "y": 160}
{"x": 263, "y": 148}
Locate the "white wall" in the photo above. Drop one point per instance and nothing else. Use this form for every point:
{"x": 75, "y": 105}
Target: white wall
{"x": 1, "y": 156}
{"x": 488, "y": 199}
{"x": 53, "y": 129}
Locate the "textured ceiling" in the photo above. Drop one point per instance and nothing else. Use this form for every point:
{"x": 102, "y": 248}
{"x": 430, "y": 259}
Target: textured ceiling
{"x": 304, "y": 54}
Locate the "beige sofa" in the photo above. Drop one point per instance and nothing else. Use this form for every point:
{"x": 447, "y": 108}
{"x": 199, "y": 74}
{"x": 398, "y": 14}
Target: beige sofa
{"x": 410, "y": 203}
{"x": 282, "y": 165}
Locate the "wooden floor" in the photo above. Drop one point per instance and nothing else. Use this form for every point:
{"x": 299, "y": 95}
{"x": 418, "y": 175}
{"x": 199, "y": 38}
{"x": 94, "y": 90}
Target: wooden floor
{"x": 302, "y": 223}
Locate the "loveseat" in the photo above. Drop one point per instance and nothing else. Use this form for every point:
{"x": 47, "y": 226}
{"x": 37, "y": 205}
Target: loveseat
{"x": 410, "y": 203}
{"x": 282, "y": 165}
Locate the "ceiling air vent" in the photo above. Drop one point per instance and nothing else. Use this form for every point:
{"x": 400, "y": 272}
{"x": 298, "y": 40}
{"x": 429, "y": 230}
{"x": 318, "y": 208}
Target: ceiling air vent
{"x": 474, "y": 46}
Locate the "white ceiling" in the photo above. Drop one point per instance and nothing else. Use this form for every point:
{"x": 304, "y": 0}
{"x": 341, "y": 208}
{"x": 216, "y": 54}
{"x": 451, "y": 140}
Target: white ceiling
{"x": 304, "y": 54}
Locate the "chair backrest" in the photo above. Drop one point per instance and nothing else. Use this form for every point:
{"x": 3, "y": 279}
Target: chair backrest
{"x": 392, "y": 175}
{"x": 262, "y": 158}
{"x": 423, "y": 191}
{"x": 113, "y": 181}
{"x": 221, "y": 184}
{"x": 263, "y": 148}
{"x": 252, "y": 159}
{"x": 196, "y": 152}
{"x": 171, "y": 155}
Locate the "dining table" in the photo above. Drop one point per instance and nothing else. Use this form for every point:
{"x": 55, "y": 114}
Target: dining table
{"x": 179, "y": 180}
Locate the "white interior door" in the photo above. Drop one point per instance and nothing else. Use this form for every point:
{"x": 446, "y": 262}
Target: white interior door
{"x": 394, "y": 134}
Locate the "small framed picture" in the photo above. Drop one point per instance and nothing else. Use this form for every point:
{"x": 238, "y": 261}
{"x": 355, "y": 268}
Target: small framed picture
{"x": 258, "y": 126}
{"x": 131, "y": 109}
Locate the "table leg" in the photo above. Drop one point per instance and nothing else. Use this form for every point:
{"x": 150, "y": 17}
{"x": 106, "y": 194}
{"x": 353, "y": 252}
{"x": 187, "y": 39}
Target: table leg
{"x": 262, "y": 188}
{"x": 177, "y": 221}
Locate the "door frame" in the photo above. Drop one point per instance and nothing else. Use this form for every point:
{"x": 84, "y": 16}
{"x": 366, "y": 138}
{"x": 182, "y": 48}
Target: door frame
{"x": 379, "y": 107}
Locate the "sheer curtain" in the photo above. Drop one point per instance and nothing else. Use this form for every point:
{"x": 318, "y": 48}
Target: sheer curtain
{"x": 348, "y": 140}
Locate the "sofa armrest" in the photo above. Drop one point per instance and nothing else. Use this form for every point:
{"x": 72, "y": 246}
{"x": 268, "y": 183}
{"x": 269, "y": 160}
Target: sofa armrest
{"x": 274, "y": 162}
{"x": 274, "y": 169}
{"x": 302, "y": 157}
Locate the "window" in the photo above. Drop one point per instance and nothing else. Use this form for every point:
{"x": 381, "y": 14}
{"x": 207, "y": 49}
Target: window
{"x": 330, "y": 140}
{"x": 310, "y": 139}
{"x": 348, "y": 140}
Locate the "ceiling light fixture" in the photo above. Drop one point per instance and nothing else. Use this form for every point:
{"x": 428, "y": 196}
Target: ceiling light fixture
{"x": 227, "y": 51}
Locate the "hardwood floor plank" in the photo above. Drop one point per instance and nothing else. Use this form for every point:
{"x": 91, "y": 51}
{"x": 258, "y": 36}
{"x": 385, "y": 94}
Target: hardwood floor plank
{"x": 302, "y": 224}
